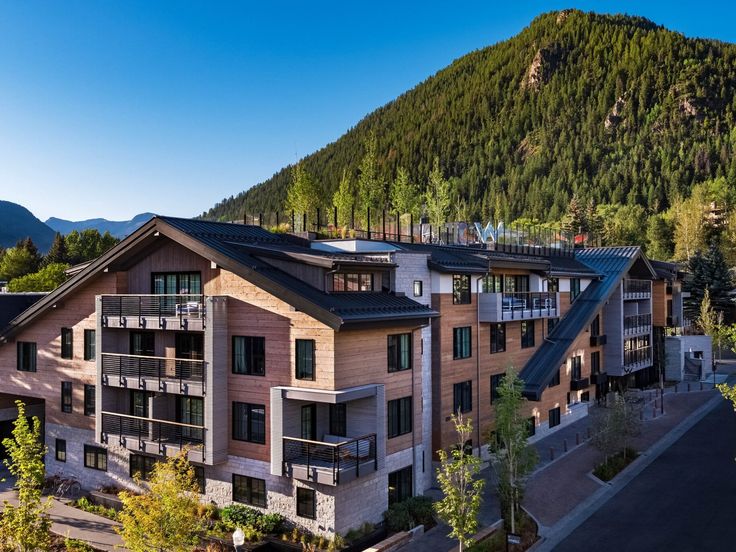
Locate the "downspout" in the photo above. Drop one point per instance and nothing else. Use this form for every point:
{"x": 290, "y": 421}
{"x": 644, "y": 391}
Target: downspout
{"x": 477, "y": 351}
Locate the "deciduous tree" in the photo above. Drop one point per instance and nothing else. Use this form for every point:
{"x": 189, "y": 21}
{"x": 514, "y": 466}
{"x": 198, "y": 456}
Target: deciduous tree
{"x": 438, "y": 196}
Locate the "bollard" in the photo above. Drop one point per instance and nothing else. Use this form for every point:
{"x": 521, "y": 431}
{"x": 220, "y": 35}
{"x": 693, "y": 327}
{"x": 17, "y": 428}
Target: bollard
{"x": 577, "y": 437}
{"x": 551, "y": 453}
{"x": 564, "y": 445}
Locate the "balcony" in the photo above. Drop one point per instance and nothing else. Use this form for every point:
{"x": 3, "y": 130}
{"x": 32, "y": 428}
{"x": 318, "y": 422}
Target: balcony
{"x": 153, "y": 436}
{"x": 598, "y": 340}
{"x": 502, "y": 307}
{"x": 578, "y": 384}
{"x": 637, "y": 324}
{"x": 329, "y": 463}
{"x": 637, "y": 289}
{"x": 169, "y": 375}
{"x": 637, "y": 358}
{"x": 165, "y": 312}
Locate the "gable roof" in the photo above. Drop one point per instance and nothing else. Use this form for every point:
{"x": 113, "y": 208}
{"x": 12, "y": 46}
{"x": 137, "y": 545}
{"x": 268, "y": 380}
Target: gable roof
{"x": 612, "y": 263}
{"x": 230, "y": 246}
{"x": 12, "y": 304}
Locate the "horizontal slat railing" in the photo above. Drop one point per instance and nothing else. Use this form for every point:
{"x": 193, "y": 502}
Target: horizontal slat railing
{"x": 153, "y": 306}
{"x": 637, "y": 323}
{"x": 637, "y": 356}
{"x": 528, "y": 304}
{"x": 149, "y": 367}
{"x": 335, "y": 457}
{"x": 143, "y": 430}
{"x": 638, "y": 288}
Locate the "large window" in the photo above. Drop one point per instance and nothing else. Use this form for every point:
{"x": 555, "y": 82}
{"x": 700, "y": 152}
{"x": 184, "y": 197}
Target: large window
{"x": 595, "y": 326}
{"x": 26, "y": 356}
{"x": 339, "y": 419}
{"x": 142, "y": 343}
{"x": 309, "y": 421}
{"x": 462, "y": 394}
{"x": 177, "y": 283}
{"x": 498, "y": 337}
{"x": 89, "y": 344}
{"x": 399, "y": 417}
{"x": 399, "y": 352}
{"x": 461, "y": 289}
{"x": 306, "y": 503}
{"x": 595, "y": 362}
{"x": 527, "y": 333}
{"x": 89, "y": 399}
{"x": 495, "y": 383}
{"x": 95, "y": 458}
{"x": 554, "y": 417}
{"x": 574, "y": 288}
{"x": 60, "y": 450}
{"x": 67, "y": 343}
{"x": 400, "y": 485}
{"x": 352, "y": 282}
{"x": 66, "y": 396}
{"x": 249, "y": 422}
{"x": 249, "y": 355}
{"x": 576, "y": 367}
{"x": 305, "y": 359}
{"x": 249, "y": 490}
{"x": 461, "y": 343}
{"x": 493, "y": 283}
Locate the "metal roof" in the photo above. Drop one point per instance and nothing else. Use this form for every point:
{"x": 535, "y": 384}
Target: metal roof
{"x": 12, "y": 304}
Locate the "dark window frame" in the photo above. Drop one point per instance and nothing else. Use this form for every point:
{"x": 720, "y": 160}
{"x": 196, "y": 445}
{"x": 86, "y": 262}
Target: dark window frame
{"x": 98, "y": 456}
{"x": 306, "y": 503}
{"x": 252, "y": 430}
{"x": 399, "y": 348}
{"x": 495, "y": 383}
{"x": 178, "y": 275}
{"x": 253, "y": 361}
{"x": 305, "y": 370}
{"x": 555, "y": 379}
{"x": 27, "y": 356}
{"x": 576, "y": 367}
{"x": 400, "y": 485}
{"x": 399, "y": 415}
{"x": 574, "y": 289}
{"x": 90, "y": 399}
{"x": 67, "y": 343}
{"x": 498, "y": 337}
{"x": 528, "y": 328}
{"x": 462, "y": 397}
{"x": 66, "y": 397}
{"x": 342, "y": 282}
{"x": 461, "y": 349}
{"x": 595, "y": 362}
{"x": 249, "y": 490}
{"x": 418, "y": 288}
{"x": 90, "y": 344}
{"x": 338, "y": 414}
{"x": 461, "y": 289}
{"x": 60, "y": 450}
{"x": 554, "y": 417}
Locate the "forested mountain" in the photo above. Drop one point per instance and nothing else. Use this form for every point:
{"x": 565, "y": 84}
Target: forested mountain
{"x": 615, "y": 109}
{"x": 18, "y": 223}
{"x": 118, "y": 229}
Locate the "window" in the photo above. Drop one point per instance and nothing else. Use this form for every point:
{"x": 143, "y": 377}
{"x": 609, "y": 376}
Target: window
{"x": 26, "y": 356}
{"x": 306, "y": 503}
{"x": 531, "y": 426}
{"x": 493, "y": 283}
{"x": 461, "y": 342}
{"x": 249, "y": 422}
{"x": 60, "y": 450}
{"x": 249, "y": 490}
{"x": 552, "y": 324}
{"x": 89, "y": 399}
{"x": 339, "y": 419}
{"x": 89, "y": 344}
{"x": 498, "y": 337}
{"x": 305, "y": 359}
{"x": 190, "y": 411}
{"x": 418, "y": 285}
{"x": 399, "y": 417}
{"x": 595, "y": 326}
{"x": 462, "y": 394}
{"x": 249, "y": 355}
{"x": 95, "y": 458}
{"x": 460, "y": 289}
{"x": 67, "y": 342}
{"x": 399, "y": 352}
{"x": 595, "y": 362}
{"x": 400, "y": 485}
{"x": 516, "y": 284}
{"x": 352, "y": 282}
{"x": 527, "y": 333}
{"x": 138, "y": 403}
{"x": 554, "y": 417}
{"x": 585, "y": 396}
{"x": 495, "y": 382}
{"x": 142, "y": 343}
{"x": 66, "y": 396}
{"x": 176, "y": 283}
{"x": 576, "y": 365}
{"x": 553, "y": 284}
{"x": 141, "y": 466}
{"x": 309, "y": 422}
{"x": 555, "y": 379}
{"x": 574, "y": 288}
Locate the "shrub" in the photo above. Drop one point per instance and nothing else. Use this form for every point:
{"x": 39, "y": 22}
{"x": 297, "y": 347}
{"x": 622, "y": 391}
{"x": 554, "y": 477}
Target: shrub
{"x": 270, "y": 523}
{"x": 420, "y": 509}
{"x": 615, "y": 464}
{"x": 398, "y": 517}
{"x": 76, "y": 545}
{"x": 237, "y": 515}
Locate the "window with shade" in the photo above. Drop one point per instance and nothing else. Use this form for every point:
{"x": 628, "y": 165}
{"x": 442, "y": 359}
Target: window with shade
{"x": 249, "y": 355}
{"x": 399, "y": 352}
{"x": 353, "y": 281}
{"x": 177, "y": 283}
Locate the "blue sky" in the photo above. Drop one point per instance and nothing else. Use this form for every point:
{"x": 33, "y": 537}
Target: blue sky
{"x": 108, "y": 109}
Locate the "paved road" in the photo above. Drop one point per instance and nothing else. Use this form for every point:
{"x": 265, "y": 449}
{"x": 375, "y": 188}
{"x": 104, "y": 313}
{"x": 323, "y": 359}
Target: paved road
{"x": 684, "y": 501}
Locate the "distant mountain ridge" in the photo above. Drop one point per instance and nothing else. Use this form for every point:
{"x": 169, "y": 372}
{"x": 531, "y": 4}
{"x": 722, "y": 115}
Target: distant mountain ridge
{"x": 17, "y": 223}
{"x": 118, "y": 229}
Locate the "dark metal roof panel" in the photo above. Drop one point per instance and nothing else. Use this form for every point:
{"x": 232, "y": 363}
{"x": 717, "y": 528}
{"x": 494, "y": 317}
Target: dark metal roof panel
{"x": 12, "y": 304}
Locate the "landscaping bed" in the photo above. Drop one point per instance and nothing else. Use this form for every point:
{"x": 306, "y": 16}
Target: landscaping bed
{"x": 606, "y": 471}
{"x": 496, "y": 541}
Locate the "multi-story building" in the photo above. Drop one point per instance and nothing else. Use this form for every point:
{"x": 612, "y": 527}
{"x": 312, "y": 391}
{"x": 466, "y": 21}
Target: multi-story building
{"x": 317, "y": 378}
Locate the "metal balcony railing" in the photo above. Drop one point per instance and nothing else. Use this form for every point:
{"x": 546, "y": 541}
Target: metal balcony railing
{"x": 498, "y": 307}
{"x": 152, "y": 368}
{"x": 353, "y": 454}
{"x": 637, "y": 324}
{"x": 638, "y": 356}
{"x": 637, "y": 289}
{"x": 139, "y": 431}
{"x": 158, "y": 307}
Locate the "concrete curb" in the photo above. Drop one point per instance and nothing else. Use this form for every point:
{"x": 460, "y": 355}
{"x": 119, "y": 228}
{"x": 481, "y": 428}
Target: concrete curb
{"x": 588, "y": 507}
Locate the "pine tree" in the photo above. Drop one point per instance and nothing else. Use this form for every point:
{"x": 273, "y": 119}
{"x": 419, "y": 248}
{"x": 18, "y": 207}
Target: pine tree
{"x": 58, "y": 252}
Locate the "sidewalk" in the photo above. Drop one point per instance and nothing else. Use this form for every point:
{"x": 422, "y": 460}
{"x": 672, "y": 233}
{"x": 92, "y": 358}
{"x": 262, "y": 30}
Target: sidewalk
{"x": 561, "y": 480}
{"x": 75, "y": 523}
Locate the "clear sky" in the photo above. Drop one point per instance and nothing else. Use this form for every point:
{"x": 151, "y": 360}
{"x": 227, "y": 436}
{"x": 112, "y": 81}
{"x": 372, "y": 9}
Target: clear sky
{"x": 112, "y": 108}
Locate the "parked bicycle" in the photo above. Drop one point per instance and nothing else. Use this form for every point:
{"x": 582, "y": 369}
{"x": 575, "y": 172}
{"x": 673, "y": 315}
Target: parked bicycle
{"x": 63, "y": 486}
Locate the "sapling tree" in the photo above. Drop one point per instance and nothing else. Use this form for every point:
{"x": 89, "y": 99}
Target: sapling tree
{"x": 461, "y": 488}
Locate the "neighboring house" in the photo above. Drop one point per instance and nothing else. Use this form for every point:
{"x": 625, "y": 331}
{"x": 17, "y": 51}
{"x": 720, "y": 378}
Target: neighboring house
{"x": 315, "y": 379}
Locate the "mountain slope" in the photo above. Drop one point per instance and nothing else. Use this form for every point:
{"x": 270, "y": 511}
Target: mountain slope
{"x": 118, "y": 229}
{"x": 19, "y": 223}
{"x": 614, "y": 108}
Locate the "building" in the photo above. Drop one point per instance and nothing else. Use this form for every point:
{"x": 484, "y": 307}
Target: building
{"x": 315, "y": 378}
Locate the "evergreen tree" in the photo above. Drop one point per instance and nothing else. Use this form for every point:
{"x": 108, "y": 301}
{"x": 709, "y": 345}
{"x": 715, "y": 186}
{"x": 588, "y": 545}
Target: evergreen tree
{"x": 575, "y": 220}
{"x": 30, "y": 247}
{"x": 708, "y": 271}
{"x": 58, "y": 252}
{"x": 660, "y": 243}
{"x": 17, "y": 262}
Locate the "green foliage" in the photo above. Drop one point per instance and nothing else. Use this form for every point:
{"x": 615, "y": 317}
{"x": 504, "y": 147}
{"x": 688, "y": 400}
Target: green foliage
{"x": 416, "y": 510}
{"x": 17, "y": 262}
{"x": 87, "y": 245}
{"x": 708, "y": 271}
{"x": 615, "y": 464}
{"x": 25, "y": 527}
{"x": 166, "y": 517}
{"x": 462, "y": 492}
{"x": 239, "y": 515}
{"x": 405, "y": 196}
{"x": 614, "y": 424}
{"x": 344, "y": 199}
{"x": 525, "y": 150}
{"x": 371, "y": 190}
{"x": 437, "y": 197}
{"x": 47, "y": 279}
{"x": 87, "y": 505}
{"x": 76, "y": 545}
{"x": 303, "y": 196}
{"x": 660, "y": 239}
{"x": 58, "y": 252}
{"x": 512, "y": 458}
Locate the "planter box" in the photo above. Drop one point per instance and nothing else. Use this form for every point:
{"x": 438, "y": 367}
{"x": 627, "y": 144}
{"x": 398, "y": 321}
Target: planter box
{"x": 107, "y": 500}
